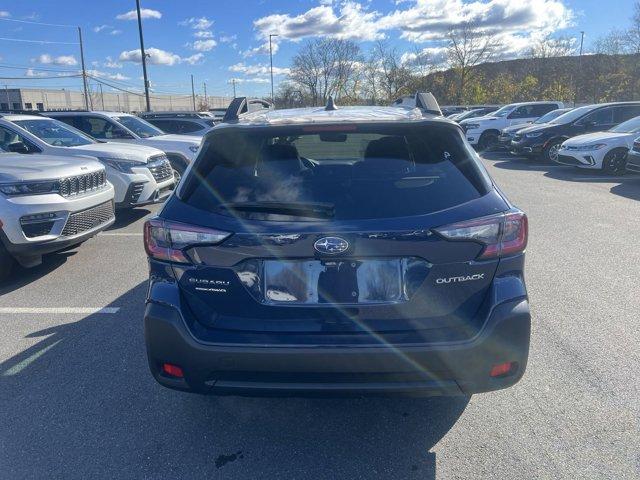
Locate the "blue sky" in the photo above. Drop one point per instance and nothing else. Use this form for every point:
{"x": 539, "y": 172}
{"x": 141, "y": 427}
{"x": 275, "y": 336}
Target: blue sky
{"x": 220, "y": 40}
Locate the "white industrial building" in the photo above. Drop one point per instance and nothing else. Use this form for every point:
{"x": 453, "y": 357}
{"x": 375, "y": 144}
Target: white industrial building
{"x": 62, "y": 99}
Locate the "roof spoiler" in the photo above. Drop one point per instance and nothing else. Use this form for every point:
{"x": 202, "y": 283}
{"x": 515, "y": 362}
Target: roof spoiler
{"x": 242, "y": 105}
{"x": 426, "y": 102}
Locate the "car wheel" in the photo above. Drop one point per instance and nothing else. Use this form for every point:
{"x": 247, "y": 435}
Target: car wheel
{"x": 550, "y": 153}
{"x": 615, "y": 162}
{"x": 488, "y": 140}
{"x": 7, "y": 263}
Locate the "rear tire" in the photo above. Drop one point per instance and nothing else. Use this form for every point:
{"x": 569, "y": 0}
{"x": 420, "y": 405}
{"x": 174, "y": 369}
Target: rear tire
{"x": 488, "y": 140}
{"x": 615, "y": 162}
{"x": 550, "y": 152}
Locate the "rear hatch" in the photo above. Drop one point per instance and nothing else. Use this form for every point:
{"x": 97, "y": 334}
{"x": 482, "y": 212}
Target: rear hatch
{"x": 331, "y": 231}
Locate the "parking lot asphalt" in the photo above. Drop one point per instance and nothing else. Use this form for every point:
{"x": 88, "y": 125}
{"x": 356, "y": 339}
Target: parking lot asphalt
{"x": 77, "y": 400}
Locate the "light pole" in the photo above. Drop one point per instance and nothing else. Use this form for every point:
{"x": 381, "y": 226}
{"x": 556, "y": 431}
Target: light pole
{"x": 193, "y": 94}
{"x": 579, "y": 72}
{"x": 84, "y": 72}
{"x": 144, "y": 58}
{"x": 271, "y": 62}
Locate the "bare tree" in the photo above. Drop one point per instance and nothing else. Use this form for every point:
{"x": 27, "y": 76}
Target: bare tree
{"x": 326, "y": 67}
{"x": 394, "y": 77}
{"x": 549, "y": 47}
{"x": 467, "y": 48}
{"x": 633, "y": 34}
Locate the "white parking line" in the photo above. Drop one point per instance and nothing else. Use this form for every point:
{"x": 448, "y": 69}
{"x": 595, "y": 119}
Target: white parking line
{"x": 122, "y": 234}
{"x": 59, "y": 310}
{"x": 17, "y": 368}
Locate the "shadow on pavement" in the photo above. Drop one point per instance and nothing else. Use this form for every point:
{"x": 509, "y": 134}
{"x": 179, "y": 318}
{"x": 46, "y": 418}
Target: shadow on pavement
{"x": 80, "y": 403}
{"x": 125, "y": 217}
{"x": 629, "y": 188}
{"x": 21, "y": 277}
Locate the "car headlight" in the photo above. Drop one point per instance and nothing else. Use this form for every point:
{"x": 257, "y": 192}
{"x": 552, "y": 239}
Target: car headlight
{"x": 533, "y": 134}
{"x": 591, "y": 146}
{"x": 29, "y": 188}
{"x": 123, "y": 166}
{"x": 194, "y": 148}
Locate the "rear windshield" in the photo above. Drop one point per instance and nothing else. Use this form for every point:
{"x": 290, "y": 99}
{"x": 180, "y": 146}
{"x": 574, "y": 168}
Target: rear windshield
{"x": 333, "y": 173}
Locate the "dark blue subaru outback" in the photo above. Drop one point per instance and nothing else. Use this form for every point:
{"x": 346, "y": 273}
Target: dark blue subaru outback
{"x": 360, "y": 250}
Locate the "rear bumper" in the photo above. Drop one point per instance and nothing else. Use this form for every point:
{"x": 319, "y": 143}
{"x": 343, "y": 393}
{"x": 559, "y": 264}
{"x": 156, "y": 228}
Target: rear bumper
{"x": 456, "y": 368}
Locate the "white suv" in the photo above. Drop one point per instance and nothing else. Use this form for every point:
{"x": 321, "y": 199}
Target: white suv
{"x": 124, "y": 127}
{"x": 48, "y": 204}
{"x": 140, "y": 175}
{"x": 483, "y": 132}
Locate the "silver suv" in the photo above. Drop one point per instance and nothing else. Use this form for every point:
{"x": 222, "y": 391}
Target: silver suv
{"x": 48, "y": 204}
{"x": 180, "y": 123}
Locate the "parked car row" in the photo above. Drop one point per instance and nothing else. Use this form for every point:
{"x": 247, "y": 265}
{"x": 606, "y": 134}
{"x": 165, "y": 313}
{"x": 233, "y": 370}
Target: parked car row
{"x": 64, "y": 175}
{"x": 599, "y": 136}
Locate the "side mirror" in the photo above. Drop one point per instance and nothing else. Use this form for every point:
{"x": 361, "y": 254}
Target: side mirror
{"x": 18, "y": 147}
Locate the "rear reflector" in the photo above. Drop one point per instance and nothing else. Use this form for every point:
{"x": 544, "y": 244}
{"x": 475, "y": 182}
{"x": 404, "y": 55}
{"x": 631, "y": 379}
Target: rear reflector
{"x": 172, "y": 370}
{"x": 504, "y": 369}
{"x": 164, "y": 240}
{"x": 503, "y": 234}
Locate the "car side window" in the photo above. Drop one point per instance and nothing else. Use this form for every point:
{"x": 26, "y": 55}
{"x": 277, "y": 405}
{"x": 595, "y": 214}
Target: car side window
{"x": 167, "y": 126}
{"x": 524, "y": 111}
{"x": 543, "y": 108}
{"x": 603, "y": 116}
{"x": 9, "y": 137}
{"x": 188, "y": 127}
{"x": 99, "y": 127}
{"x": 625, "y": 112}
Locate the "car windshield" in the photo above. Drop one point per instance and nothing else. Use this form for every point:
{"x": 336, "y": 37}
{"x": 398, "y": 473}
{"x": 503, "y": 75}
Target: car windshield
{"x": 572, "y": 115}
{"x": 312, "y": 172}
{"x": 630, "y": 126}
{"x": 547, "y": 117}
{"x": 55, "y": 133}
{"x": 138, "y": 126}
{"x": 503, "y": 112}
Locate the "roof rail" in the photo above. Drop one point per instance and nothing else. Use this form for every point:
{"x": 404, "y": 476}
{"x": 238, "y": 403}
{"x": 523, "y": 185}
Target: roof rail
{"x": 242, "y": 105}
{"x": 426, "y": 102}
{"x": 21, "y": 112}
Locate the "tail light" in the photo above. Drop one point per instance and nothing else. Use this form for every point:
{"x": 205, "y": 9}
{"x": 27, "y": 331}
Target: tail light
{"x": 502, "y": 235}
{"x": 164, "y": 240}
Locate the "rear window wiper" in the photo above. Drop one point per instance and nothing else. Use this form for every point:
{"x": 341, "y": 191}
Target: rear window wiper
{"x": 314, "y": 210}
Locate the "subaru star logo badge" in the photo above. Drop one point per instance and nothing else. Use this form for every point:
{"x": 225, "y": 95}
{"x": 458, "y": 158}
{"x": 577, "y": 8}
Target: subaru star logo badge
{"x": 331, "y": 245}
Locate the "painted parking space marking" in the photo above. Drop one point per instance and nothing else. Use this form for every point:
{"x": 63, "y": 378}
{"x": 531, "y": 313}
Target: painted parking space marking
{"x": 59, "y": 310}
{"x": 121, "y": 234}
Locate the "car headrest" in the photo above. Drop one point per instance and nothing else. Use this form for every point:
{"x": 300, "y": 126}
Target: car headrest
{"x": 280, "y": 160}
{"x": 387, "y": 147}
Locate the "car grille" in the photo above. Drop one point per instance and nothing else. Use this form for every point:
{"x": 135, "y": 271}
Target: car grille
{"x": 88, "y": 219}
{"x": 565, "y": 159}
{"x": 160, "y": 168}
{"x": 83, "y": 183}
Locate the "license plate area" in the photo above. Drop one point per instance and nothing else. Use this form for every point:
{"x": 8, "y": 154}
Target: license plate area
{"x": 343, "y": 281}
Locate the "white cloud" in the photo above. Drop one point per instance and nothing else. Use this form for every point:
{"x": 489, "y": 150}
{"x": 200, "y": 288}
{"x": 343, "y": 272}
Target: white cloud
{"x": 33, "y": 73}
{"x": 193, "y": 59}
{"x": 99, "y": 28}
{"x": 111, "y": 63}
{"x": 351, "y": 21}
{"x": 115, "y": 32}
{"x": 204, "y": 45}
{"x": 515, "y": 22}
{"x": 262, "y": 49}
{"x": 252, "y": 80}
{"x": 202, "y": 23}
{"x": 228, "y": 38}
{"x": 203, "y": 34}
{"x": 110, "y": 76}
{"x": 157, "y": 56}
{"x": 144, "y": 13}
{"x": 62, "y": 60}
{"x": 4, "y": 14}
{"x": 257, "y": 69}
